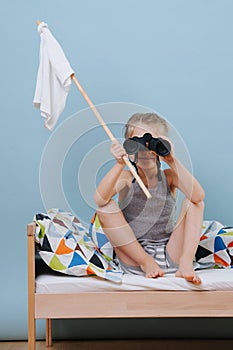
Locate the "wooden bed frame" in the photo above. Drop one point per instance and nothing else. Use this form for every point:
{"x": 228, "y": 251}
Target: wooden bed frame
{"x": 128, "y": 304}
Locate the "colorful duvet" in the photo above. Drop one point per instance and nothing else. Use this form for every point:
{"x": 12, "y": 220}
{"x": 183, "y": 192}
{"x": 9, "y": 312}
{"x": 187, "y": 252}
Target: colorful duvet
{"x": 216, "y": 246}
{"x": 68, "y": 247}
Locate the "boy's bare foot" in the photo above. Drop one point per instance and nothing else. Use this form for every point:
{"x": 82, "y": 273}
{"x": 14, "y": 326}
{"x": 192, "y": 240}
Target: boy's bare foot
{"x": 151, "y": 268}
{"x": 187, "y": 271}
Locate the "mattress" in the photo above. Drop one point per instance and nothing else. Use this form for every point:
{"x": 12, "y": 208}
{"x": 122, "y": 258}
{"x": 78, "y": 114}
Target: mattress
{"x": 212, "y": 279}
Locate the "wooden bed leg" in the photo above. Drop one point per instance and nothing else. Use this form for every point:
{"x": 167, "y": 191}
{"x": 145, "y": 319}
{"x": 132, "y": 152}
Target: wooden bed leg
{"x": 49, "y": 332}
{"x": 31, "y": 288}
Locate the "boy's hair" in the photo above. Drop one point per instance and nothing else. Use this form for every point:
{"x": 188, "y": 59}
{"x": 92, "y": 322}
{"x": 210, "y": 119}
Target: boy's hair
{"x": 150, "y": 119}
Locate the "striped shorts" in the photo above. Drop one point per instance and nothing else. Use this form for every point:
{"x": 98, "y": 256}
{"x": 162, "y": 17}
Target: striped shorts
{"x": 160, "y": 255}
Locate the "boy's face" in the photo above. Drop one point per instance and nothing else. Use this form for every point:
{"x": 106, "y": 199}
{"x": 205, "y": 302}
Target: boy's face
{"x": 147, "y": 158}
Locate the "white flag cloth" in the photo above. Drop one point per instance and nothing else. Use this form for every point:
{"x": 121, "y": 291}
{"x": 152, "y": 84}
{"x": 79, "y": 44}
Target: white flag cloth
{"x": 53, "y": 78}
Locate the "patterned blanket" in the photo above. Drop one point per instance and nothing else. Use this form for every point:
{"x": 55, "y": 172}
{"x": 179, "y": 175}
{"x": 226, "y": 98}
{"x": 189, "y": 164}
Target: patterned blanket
{"x": 68, "y": 247}
{"x": 215, "y": 248}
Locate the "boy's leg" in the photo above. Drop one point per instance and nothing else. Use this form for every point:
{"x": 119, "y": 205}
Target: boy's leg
{"x": 124, "y": 241}
{"x": 185, "y": 238}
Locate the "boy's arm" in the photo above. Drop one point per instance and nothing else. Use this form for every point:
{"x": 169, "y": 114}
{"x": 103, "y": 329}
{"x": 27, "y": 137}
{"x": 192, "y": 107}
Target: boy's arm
{"x": 115, "y": 180}
{"x": 179, "y": 177}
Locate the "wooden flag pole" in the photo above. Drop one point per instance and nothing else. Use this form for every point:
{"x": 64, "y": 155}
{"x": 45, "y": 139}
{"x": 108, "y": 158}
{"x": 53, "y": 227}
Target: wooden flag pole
{"x": 110, "y": 135}
{"x": 98, "y": 116}
{"x": 108, "y": 132}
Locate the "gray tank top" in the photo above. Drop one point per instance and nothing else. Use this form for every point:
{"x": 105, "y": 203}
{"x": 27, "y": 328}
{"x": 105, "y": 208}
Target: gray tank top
{"x": 152, "y": 220}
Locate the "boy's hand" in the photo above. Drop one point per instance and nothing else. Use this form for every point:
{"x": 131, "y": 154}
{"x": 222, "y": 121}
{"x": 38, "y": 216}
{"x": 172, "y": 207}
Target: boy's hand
{"x": 170, "y": 157}
{"x": 118, "y": 151}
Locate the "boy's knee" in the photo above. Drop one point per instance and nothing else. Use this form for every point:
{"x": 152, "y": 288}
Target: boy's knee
{"x": 200, "y": 205}
{"x": 110, "y": 208}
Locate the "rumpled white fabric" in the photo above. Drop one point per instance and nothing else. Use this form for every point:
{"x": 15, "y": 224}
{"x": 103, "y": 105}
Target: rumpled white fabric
{"x": 212, "y": 279}
{"x": 53, "y": 78}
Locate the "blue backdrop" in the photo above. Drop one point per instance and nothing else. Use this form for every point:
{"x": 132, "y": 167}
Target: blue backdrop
{"x": 173, "y": 56}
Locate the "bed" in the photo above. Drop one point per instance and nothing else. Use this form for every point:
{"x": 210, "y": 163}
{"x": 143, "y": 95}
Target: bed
{"x": 56, "y": 296}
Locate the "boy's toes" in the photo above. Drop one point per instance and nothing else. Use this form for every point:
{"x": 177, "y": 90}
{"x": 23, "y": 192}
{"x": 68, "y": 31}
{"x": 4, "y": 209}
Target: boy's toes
{"x": 155, "y": 274}
{"x": 152, "y": 274}
{"x": 191, "y": 277}
{"x": 196, "y": 280}
{"x": 161, "y": 273}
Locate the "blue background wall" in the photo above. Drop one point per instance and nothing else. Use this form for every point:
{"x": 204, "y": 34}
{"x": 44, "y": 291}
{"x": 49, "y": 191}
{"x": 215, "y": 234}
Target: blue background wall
{"x": 173, "y": 56}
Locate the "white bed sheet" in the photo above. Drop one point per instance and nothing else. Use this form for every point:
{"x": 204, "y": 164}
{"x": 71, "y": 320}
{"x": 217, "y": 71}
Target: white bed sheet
{"x": 212, "y": 279}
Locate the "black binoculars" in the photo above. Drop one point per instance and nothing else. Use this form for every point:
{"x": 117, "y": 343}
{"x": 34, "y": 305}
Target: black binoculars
{"x": 159, "y": 145}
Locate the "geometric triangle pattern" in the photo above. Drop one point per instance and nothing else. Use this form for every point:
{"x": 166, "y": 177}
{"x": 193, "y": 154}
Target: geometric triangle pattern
{"x": 96, "y": 261}
{"x": 77, "y": 260}
{"x": 215, "y": 248}
{"x": 202, "y": 252}
{"x": 66, "y": 246}
{"x": 63, "y": 248}
{"x": 56, "y": 264}
{"x": 46, "y": 245}
{"x": 99, "y": 238}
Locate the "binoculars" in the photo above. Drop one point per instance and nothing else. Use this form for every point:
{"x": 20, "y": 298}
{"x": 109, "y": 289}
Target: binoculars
{"x": 159, "y": 145}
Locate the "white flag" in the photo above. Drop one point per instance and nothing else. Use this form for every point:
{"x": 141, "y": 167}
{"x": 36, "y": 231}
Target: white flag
{"x": 53, "y": 78}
